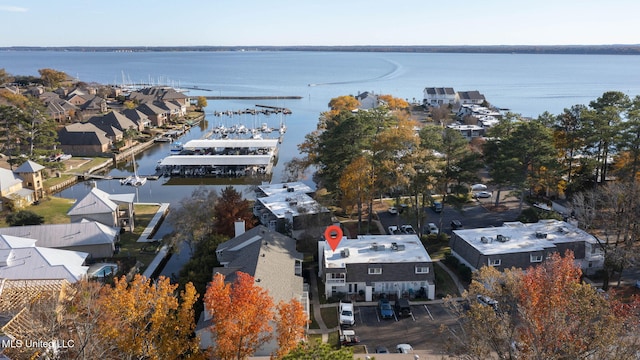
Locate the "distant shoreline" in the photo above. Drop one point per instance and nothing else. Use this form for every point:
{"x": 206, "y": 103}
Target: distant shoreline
{"x": 631, "y": 49}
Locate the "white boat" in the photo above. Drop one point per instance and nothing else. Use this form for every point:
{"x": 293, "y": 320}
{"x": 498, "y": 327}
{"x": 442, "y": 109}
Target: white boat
{"x": 135, "y": 179}
{"x": 176, "y": 146}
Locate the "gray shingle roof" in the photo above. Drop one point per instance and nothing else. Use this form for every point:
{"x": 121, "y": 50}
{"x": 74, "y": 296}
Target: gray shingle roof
{"x": 95, "y": 202}
{"x": 268, "y": 256}
{"x": 29, "y": 167}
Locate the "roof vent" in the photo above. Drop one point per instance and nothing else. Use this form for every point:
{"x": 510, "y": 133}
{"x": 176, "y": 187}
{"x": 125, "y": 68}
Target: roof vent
{"x": 344, "y": 253}
{"x": 290, "y": 189}
{"x": 541, "y": 235}
{"x": 284, "y": 186}
{"x": 374, "y": 246}
{"x": 484, "y": 239}
{"x": 397, "y": 247}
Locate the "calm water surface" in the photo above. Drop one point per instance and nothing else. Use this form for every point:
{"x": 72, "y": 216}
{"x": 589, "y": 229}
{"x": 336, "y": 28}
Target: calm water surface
{"x": 526, "y": 84}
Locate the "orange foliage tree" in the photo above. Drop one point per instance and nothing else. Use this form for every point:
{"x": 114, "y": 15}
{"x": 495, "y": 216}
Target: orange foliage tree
{"x": 290, "y": 326}
{"x": 241, "y": 313}
{"x": 229, "y": 208}
{"x": 393, "y": 102}
{"x": 546, "y": 312}
{"x": 146, "y": 319}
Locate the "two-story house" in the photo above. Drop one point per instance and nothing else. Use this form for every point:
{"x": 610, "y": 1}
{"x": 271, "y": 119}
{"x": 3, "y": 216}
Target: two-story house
{"x": 272, "y": 259}
{"x": 439, "y": 96}
{"x": 520, "y": 245}
{"x": 376, "y": 264}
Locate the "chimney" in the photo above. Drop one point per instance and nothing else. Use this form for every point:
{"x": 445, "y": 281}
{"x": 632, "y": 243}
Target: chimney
{"x": 239, "y": 227}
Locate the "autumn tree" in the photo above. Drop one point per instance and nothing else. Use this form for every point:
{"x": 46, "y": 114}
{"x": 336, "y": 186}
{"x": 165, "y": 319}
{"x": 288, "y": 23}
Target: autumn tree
{"x": 545, "y": 312}
{"x": 202, "y": 102}
{"x": 612, "y": 211}
{"x": 146, "y": 319}
{"x": 394, "y": 103}
{"x": 52, "y": 78}
{"x": 229, "y": 208}
{"x": 4, "y": 76}
{"x": 193, "y": 219}
{"x": 356, "y": 184}
{"x": 291, "y": 324}
{"x": 241, "y": 312}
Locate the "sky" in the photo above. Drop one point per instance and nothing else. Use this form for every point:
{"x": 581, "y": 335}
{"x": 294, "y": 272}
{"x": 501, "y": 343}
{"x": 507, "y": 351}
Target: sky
{"x": 327, "y": 22}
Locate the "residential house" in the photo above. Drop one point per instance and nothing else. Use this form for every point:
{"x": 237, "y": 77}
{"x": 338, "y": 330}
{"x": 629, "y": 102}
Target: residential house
{"x": 273, "y": 189}
{"x": 471, "y": 97}
{"x": 438, "y": 96}
{"x": 84, "y": 139}
{"x": 161, "y": 94}
{"x": 12, "y": 190}
{"x": 115, "y": 210}
{"x": 520, "y": 245}
{"x": 468, "y": 131}
{"x": 272, "y": 259}
{"x": 116, "y": 120}
{"x": 157, "y": 116}
{"x": 94, "y": 106}
{"x": 172, "y": 108}
{"x": 31, "y": 174}
{"x": 484, "y": 116}
{"x": 368, "y": 100}
{"x": 370, "y": 265}
{"x": 137, "y": 117}
{"x": 92, "y": 237}
{"x": 20, "y": 259}
{"x": 292, "y": 212}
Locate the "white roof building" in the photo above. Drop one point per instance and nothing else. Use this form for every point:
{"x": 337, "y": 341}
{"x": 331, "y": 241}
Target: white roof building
{"x": 520, "y": 245}
{"x": 20, "y": 259}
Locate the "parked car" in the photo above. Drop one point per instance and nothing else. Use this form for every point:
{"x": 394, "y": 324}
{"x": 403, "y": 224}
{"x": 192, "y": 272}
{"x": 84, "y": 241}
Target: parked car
{"x": 404, "y": 348}
{"x": 402, "y": 307}
{"x": 386, "y": 311}
{"x": 482, "y": 194}
{"x": 394, "y": 230}
{"x": 437, "y": 206}
{"x": 431, "y": 228}
{"x": 407, "y": 229}
{"x": 349, "y": 338}
{"x": 346, "y": 313}
{"x": 485, "y": 300}
{"x": 381, "y": 350}
{"x": 393, "y": 210}
{"x": 456, "y": 224}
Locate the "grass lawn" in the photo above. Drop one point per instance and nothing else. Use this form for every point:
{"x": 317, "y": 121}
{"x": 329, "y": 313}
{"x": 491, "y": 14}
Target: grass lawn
{"x": 129, "y": 247}
{"x": 85, "y": 166}
{"x": 330, "y": 316}
{"x": 52, "y": 209}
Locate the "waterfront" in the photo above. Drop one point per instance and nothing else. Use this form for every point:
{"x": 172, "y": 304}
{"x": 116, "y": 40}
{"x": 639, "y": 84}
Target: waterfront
{"x": 526, "y": 84}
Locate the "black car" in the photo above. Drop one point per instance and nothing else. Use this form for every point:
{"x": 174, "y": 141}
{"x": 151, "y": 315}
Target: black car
{"x": 456, "y": 224}
{"x": 402, "y": 307}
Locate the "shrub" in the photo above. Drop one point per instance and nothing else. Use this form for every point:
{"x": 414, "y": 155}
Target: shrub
{"x": 24, "y": 217}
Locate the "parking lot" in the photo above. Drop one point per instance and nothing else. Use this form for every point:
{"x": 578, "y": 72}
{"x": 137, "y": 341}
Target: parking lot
{"x": 422, "y": 329}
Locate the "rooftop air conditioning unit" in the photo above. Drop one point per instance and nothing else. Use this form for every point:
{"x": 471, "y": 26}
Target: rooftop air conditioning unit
{"x": 290, "y": 189}
{"x": 484, "y": 240}
{"x": 344, "y": 253}
{"x": 541, "y": 235}
{"x": 502, "y": 238}
{"x": 374, "y": 246}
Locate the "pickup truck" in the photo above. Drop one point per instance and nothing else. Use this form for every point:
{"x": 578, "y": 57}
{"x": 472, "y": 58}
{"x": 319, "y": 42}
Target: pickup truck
{"x": 346, "y": 313}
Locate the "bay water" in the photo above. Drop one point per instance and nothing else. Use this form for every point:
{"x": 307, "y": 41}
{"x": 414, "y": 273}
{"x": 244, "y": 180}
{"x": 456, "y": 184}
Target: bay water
{"x": 527, "y": 84}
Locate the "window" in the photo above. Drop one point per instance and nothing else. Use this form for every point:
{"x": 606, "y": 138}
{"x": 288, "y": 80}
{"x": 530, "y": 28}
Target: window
{"x": 422, "y": 269}
{"x": 375, "y": 271}
{"x": 536, "y": 258}
{"x": 494, "y": 262}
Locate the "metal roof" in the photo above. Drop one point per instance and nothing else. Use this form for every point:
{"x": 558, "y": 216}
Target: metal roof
{"x": 216, "y": 160}
{"x": 231, "y": 143}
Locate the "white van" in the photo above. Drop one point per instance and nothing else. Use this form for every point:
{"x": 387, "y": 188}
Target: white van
{"x": 346, "y": 313}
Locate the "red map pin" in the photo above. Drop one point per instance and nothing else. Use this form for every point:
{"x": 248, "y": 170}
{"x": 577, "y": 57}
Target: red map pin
{"x": 333, "y": 235}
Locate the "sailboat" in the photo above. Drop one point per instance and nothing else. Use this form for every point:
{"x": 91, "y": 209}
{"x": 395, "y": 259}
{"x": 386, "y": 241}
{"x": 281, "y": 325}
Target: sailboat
{"x": 134, "y": 180}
